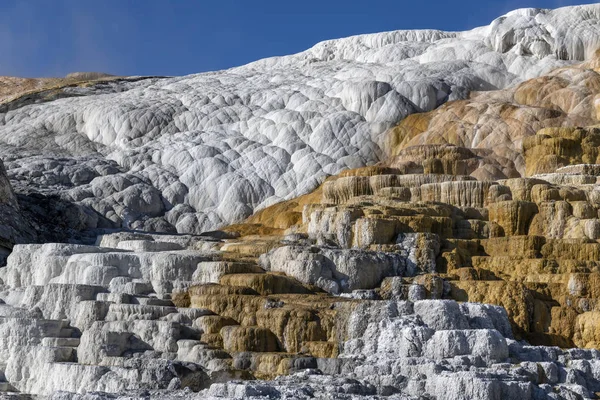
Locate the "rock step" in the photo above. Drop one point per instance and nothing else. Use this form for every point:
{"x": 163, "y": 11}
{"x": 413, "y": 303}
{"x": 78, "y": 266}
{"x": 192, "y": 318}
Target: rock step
{"x": 512, "y": 268}
{"x": 212, "y": 271}
{"x": 212, "y": 340}
{"x": 148, "y": 246}
{"x": 212, "y": 324}
{"x": 265, "y": 284}
{"x": 152, "y": 301}
{"x": 117, "y": 312}
{"x": 60, "y": 342}
{"x": 129, "y": 312}
{"x": 65, "y": 354}
{"x": 580, "y": 169}
{"x": 119, "y": 298}
{"x": 542, "y": 261}
{"x": 248, "y": 249}
{"x": 254, "y": 339}
{"x": 123, "y": 284}
{"x": 66, "y": 332}
{"x": 268, "y": 365}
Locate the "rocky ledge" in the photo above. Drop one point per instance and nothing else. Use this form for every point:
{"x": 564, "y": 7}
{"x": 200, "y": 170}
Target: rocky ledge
{"x": 168, "y": 316}
{"x": 387, "y": 284}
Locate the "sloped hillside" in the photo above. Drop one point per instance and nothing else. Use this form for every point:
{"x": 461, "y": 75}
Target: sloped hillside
{"x": 190, "y": 154}
{"x": 412, "y": 215}
{"x": 526, "y": 243}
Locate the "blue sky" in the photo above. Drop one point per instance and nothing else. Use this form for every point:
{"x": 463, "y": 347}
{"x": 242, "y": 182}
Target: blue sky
{"x": 176, "y": 37}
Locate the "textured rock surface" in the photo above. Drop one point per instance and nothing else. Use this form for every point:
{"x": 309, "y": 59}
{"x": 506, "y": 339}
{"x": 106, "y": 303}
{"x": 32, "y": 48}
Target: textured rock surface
{"x": 194, "y": 153}
{"x": 124, "y": 335}
{"x": 27, "y": 219}
{"x": 164, "y": 313}
{"x": 465, "y": 265}
{"x": 487, "y": 135}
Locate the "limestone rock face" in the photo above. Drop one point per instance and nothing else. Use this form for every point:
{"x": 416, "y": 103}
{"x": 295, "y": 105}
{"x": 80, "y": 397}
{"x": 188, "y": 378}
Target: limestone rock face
{"x": 126, "y": 337}
{"x": 334, "y": 270}
{"x": 461, "y": 225}
{"x": 490, "y": 135}
{"x": 527, "y": 244}
{"x": 553, "y": 148}
{"x": 199, "y": 313}
{"x": 190, "y": 154}
{"x": 465, "y": 264}
{"x": 23, "y": 220}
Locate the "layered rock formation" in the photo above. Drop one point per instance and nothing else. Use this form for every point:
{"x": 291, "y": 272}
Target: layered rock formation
{"x": 194, "y": 153}
{"x": 493, "y": 128}
{"x": 170, "y": 315}
{"x": 464, "y": 265}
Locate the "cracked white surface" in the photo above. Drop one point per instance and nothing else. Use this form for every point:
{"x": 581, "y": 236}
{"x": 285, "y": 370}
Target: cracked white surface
{"x": 224, "y": 144}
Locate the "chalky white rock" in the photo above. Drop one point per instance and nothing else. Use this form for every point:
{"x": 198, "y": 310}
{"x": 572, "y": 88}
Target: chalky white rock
{"x": 228, "y": 143}
{"x": 193, "y": 153}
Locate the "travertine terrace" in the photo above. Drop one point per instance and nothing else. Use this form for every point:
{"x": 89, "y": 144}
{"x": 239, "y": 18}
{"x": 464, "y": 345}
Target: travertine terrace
{"x": 403, "y": 215}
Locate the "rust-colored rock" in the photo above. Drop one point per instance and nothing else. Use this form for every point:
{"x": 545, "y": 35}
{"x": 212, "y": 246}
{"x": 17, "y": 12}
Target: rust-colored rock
{"x": 248, "y": 338}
